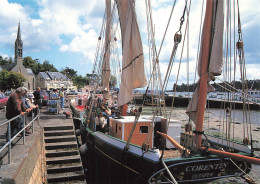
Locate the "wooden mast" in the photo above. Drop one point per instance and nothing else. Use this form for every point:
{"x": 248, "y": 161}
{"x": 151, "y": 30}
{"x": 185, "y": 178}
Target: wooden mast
{"x": 203, "y": 91}
{"x": 204, "y": 71}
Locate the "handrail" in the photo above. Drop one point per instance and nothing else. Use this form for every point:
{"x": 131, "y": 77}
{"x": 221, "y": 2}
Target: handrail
{"x": 8, "y": 143}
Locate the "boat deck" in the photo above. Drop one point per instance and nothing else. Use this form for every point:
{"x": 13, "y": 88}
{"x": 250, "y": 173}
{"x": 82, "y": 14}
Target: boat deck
{"x": 170, "y": 154}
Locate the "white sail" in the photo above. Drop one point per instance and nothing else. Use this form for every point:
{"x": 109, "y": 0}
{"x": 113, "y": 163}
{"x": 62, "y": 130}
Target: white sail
{"x": 106, "y": 59}
{"x": 216, "y": 56}
{"x": 133, "y": 75}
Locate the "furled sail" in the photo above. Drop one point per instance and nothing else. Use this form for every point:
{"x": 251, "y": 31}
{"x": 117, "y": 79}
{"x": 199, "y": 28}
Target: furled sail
{"x": 133, "y": 75}
{"x": 106, "y": 59}
{"x": 215, "y": 62}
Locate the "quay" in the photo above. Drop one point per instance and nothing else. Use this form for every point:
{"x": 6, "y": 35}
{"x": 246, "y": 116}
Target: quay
{"x": 184, "y": 102}
{"x": 49, "y": 155}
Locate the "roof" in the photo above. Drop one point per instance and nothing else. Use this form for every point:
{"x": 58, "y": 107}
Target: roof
{"x": 45, "y": 76}
{"x": 57, "y": 76}
{"x": 53, "y": 76}
{"x": 8, "y": 67}
{"x": 29, "y": 70}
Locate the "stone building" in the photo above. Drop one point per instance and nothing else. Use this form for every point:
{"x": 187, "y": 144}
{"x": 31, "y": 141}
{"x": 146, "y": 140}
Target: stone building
{"x": 17, "y": 66}
{"x": 53, "y": 80}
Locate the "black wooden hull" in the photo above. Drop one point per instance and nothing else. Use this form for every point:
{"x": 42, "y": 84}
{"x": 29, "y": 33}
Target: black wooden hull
{"x": 107, "y": 163}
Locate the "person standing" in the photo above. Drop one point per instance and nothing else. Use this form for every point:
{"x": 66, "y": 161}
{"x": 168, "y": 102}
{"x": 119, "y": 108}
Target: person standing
{"x": 15, "y": 107}
{"x": 37, "y": 97}
{"x": 61, "y": 94}
{"x": 27, "y": 107}
{"x": 54, "y": 95}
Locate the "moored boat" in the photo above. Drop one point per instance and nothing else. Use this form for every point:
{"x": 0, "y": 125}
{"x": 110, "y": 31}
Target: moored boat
{"x": 148, "y": 149}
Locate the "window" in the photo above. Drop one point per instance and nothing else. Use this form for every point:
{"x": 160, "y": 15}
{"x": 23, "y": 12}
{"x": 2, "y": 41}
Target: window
{"x": 143, "y": 129}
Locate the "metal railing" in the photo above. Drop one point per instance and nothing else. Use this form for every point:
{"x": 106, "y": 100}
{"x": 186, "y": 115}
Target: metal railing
{"x": 8, "y": 143}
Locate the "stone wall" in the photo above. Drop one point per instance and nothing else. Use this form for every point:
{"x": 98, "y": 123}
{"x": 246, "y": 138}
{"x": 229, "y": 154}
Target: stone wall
{"x": 32, "y": 170}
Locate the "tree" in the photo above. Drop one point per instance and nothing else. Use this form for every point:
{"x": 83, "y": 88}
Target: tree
{"x": 69, "y": 72}
{"x": 37, "y": 67}
{"x": 113, "y": 81}
{"x": 5, "y": 61}
{"x": 46, "y": 66}
{"x": 11, "y": 80}
{"x": 80, "y": 81}
{"x": 28, "y": 62}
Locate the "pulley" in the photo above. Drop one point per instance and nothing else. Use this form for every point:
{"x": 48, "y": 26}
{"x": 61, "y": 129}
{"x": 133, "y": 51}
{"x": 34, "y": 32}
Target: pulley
{"x": 188, "y": 127}
{"x": 240, "y": 45}
{"x": 177, "y": 37}
{"x": 246, "y": 141}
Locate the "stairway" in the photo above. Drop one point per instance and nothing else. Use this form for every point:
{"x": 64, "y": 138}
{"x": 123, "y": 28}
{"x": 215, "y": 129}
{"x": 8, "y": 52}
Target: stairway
{"x": 62, "y": 156}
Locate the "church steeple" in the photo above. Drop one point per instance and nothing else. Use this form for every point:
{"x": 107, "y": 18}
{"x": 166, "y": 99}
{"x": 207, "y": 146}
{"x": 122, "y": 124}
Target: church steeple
{"x": 18, "y": 46}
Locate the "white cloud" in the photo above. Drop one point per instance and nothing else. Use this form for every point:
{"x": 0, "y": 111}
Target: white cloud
{"x": 84, "y": 43}
{"x": 75, "y": 26}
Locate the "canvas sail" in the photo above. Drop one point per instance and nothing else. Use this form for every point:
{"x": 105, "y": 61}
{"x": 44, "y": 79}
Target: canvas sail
{"x": 215, "y": 63}
{"x": 133, "y": 60}
{"x": 106, "y": 59}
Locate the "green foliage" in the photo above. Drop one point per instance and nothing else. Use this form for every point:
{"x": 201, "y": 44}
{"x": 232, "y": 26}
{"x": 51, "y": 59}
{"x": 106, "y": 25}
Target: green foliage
{"x": 46, "y": 66}
{"x": 69, "y": 72}
{"x": 37, "y": 67}
{"x": 249, "y": 84}
{"x": 11, "y": 80}
{"x": 80, "y": 81}
{"x": 113, "y": 81}
{"x": 5, "y": 61}
{"x": 28, "y": 62}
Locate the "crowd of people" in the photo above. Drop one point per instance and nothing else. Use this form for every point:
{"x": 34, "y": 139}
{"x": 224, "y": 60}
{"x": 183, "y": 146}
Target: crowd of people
{"x": 23, "y": 103}
{"x": 19, "y": 103}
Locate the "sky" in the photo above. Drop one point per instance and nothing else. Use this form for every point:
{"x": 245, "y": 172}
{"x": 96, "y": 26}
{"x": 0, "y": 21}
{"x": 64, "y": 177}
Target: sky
{"x": 66, "y": 32}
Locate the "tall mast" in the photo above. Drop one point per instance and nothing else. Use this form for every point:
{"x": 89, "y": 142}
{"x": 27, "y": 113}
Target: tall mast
{"x": 106, "y": 59}
{"x": 204, "y": 71}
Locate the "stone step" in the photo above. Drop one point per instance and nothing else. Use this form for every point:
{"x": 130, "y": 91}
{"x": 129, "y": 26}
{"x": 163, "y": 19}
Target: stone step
{"x": 63, "y": 160}
{"x": 63, "y": 177}
{"x": 60, "y": 153}
{"x": 58, "y": 133}
{"x": 61, "y": 145}
{"x": 53, "y": 128}
{"x": 63, "y": 169}
{"x": 53, "y": 139}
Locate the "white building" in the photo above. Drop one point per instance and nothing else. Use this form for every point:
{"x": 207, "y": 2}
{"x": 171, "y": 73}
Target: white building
{"x": 54, "y": 80}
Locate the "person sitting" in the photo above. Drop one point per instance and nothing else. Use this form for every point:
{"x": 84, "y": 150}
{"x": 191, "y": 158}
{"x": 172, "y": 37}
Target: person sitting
{"x": 100, "y": 122}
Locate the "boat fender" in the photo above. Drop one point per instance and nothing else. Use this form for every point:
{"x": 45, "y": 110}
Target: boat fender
{"x": 83, "y": 149}
{"x": 77, "y": 132}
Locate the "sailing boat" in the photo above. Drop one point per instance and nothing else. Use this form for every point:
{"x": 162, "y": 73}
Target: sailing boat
{"x": 97, "y": 92}
{"x": 132, "y": 150}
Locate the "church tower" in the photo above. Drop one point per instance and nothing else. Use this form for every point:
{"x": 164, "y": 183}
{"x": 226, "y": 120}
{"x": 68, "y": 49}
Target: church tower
{"x": 18, "y": 50}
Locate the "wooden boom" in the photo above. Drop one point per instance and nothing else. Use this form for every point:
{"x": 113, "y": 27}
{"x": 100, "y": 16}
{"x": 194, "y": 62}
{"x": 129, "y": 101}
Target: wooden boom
{"x": 233, "y": 156}
{"x": 179, "y": 147}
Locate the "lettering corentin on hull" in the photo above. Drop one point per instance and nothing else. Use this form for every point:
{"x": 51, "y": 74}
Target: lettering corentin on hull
{"x": 206, "y": 167}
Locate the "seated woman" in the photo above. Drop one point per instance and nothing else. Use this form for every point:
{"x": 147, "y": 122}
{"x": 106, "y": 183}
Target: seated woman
{"x": 102, "y": 122}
